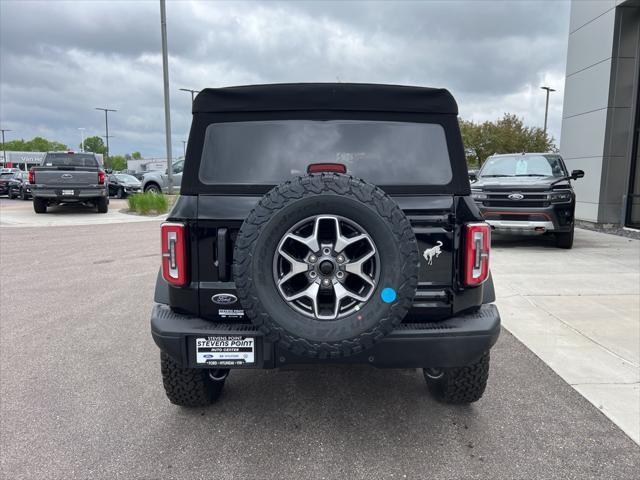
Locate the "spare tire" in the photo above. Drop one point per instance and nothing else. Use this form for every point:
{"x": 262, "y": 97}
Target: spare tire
{"x": 326, "y": 265}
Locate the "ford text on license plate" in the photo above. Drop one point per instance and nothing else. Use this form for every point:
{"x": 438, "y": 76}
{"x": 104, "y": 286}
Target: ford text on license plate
{"x": 225, "y": 350}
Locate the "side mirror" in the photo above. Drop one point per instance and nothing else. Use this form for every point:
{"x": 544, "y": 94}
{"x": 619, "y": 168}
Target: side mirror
{"x": 576, "y": 174}
{"x": 473, "y": 176}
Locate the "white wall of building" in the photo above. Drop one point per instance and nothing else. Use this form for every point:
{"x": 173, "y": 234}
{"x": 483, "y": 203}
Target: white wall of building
{"x": 146, "y": 165}
{"x": 584, "y": 113}
{"x": 599, "y": 95}
{"x": 31, "y": 159}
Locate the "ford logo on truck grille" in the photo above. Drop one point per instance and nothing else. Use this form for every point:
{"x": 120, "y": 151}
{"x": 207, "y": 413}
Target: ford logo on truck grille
{"x": 224, "y": 298}
{"x": 516, "y": 196}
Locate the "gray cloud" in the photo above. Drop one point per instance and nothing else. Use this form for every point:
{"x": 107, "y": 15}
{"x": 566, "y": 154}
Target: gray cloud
{"x": 59, "y": 60}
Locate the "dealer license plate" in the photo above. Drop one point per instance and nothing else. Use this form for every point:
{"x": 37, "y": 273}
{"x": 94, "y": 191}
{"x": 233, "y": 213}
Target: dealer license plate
{"x": 225, "y": 350}
{"x": 67, "y": 192}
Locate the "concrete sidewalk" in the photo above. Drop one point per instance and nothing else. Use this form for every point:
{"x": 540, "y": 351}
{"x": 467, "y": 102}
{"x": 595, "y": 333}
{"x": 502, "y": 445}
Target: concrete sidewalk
{"x": 19, "y": 213}
{"x": 579, "y": 311}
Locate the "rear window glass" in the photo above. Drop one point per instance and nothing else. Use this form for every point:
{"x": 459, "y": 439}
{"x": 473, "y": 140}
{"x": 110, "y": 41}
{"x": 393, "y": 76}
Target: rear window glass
{"x": 268, "y": 152}
{"x": 70, "y": 160}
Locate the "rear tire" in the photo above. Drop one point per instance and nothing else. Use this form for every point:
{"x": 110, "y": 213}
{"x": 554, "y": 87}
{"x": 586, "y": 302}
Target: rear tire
{"x": 565, "y": 240}
{"x": 39, "y": 205}
{"x": 103, "y": 205}
{"x": 188, "y": 387}
{"x": 459, "y": 385}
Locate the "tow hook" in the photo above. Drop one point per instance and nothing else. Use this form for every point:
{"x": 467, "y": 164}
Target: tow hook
{"x": 219, "y": 374}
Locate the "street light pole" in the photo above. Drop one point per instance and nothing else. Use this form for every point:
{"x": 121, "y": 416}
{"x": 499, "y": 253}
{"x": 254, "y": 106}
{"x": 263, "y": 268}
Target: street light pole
{"x": 193, "y": 92}
{"x": 165, "y": 75}
{"x": 4, "y": 149}
{"x": 106, "y": 128}
{"x": 546, "y": 107}
{"x": 184, "y": 149}
{"x": 81, "y": 139}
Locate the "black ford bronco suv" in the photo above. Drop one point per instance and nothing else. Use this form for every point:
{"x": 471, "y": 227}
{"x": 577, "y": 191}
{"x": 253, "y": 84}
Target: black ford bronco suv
{"x": 528, "y": 193}
{"x": 324, "y": 223}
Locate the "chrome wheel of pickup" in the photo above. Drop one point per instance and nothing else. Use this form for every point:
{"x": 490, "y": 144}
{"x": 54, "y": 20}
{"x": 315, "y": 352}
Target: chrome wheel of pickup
{"x": 326, "y": 267}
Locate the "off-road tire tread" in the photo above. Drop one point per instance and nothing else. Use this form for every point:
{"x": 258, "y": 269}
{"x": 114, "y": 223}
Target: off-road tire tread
{"x": 188, "y": 387}
{"x": 461, "y": 385}
{"x": 296, "y": 189}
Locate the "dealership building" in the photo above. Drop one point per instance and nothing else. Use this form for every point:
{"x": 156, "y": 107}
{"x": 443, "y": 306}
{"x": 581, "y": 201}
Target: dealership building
{"x": 601, "y": 112}
{"x": 26, "y": 160}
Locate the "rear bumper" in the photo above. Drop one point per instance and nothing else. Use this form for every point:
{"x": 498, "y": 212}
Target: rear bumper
{"x": 454, "y": 342}
{"x": 79, "y": 194}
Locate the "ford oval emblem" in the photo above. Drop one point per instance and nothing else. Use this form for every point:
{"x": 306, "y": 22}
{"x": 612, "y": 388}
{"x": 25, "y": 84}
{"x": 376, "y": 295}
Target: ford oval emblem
{"x": 516, "y": 196}
{"x": 224, "y": 298}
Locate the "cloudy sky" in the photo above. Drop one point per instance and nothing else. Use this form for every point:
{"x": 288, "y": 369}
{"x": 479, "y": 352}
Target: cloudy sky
{"x": 59, "y": 60}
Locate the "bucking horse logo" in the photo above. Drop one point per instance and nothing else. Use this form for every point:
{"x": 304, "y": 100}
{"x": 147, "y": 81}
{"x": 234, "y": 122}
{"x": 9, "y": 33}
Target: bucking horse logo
{"x": 433, "y": 252}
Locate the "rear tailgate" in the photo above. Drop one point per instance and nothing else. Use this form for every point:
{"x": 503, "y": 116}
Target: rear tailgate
{"x": 220, "y": 218}
{"x": 66, "y": 177}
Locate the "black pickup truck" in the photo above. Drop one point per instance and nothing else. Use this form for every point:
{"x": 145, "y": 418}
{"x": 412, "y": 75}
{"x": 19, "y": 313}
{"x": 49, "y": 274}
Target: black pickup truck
{"x": 324, "y": 223}
{"x": 528, "y": 193}
{"x": 69, "y": 177}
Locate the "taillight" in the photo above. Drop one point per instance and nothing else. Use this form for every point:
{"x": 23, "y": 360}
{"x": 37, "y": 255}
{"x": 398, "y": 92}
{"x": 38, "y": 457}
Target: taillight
{"x": 174, "y": 253}
{"x": 32, "y": 176}
{"x": 477, "y": 246}
{"x": 100, "y": 177}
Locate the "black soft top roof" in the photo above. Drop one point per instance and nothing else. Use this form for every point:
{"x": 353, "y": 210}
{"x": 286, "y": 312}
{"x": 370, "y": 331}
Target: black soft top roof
{"x": 325, "y": 96}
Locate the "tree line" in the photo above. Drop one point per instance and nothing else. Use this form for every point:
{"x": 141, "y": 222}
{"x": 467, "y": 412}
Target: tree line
{"x": 508, "y": 134}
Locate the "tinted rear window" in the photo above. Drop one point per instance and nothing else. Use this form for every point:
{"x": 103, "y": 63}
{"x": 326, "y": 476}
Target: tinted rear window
{"x": 70, "y": 160}
{"x": 269, "y": 152}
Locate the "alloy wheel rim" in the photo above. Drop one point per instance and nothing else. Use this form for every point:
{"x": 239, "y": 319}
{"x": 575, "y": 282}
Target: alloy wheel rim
{"x": 326, "y": 267}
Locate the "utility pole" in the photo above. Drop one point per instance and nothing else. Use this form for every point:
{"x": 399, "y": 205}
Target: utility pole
{"x": 546, "y": 107}
{"x": 165, "y": 75}
{"x": 81, "y": 139}
{"x": 184, "y": 149}
{"x": 106, "y": 128}
{"x": 193, "y": 92}
{"x": 4, "y": 149}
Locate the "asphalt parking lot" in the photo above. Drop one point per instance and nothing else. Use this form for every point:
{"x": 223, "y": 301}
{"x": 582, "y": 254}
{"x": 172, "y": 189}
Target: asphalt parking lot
{"x": 82, "y": 396}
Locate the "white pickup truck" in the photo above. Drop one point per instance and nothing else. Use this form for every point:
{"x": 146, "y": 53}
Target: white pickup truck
{"x": 68, "y": 177}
